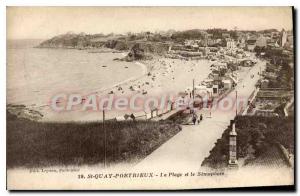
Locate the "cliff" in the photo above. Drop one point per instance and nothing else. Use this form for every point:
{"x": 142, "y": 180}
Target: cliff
{"x": 117, "y": 42}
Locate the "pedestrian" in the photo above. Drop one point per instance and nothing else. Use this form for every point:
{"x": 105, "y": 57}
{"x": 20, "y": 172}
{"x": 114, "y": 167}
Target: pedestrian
{"x": 194, "y": 119}
{"x": 132, "y": 117}
{"x": 201, "y": 117}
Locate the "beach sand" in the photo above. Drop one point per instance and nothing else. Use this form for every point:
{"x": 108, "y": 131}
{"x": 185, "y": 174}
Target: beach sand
{"x": 160, "y": 76}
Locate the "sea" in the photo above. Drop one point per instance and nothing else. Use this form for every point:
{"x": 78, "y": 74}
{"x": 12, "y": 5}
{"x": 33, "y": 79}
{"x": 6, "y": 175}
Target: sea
{"x": 34, "y": 75}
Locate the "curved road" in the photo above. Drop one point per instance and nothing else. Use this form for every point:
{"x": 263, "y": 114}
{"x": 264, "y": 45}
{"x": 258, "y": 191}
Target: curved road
{"x": 188, "y": 148}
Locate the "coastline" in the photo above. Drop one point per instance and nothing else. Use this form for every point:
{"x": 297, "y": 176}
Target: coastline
{"x": 158, "y": 78}
{"x": 131, "y": 79}
{"x": 26, "y": 78}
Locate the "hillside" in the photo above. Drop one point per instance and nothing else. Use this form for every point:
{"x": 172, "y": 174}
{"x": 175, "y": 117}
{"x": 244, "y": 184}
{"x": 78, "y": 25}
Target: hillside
{"x": 258, "y": 139}
{"x": 39, "y": 144}
{"x": 118, "y": 42}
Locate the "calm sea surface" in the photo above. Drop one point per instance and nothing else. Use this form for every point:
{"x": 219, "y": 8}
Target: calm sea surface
{"x": 34, "y": 75}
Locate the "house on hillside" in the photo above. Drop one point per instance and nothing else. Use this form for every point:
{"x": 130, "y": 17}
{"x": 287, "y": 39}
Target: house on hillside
{"x": 225, "y": 35}
{"x": 230, "y": 43}
{"x": 283, "y": 38}
{"x": 261, "y": 41}
{"x": 264, "y": 83}
{"x": 251, "y": 43}
{"x": 227, "y": 84}
{"x": 241, "y": 42}
{"x": 213, "y": 42}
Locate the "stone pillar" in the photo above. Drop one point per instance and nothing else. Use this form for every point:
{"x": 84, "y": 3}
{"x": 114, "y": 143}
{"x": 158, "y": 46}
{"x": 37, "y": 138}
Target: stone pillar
{"x": 233, "y": 163}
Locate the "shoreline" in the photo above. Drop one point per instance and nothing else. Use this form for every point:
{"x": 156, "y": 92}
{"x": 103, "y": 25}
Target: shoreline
{"x": 131, "y": 79}
{"x": 157, "y": 76}
{"x": 164, "y": 74}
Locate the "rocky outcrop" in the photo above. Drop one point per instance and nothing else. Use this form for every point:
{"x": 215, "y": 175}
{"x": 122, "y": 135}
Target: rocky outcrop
{"x": 121, "y": 43}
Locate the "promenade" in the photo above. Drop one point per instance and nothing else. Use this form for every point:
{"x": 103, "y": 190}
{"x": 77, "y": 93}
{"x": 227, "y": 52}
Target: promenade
{"x": 188, "y": 148}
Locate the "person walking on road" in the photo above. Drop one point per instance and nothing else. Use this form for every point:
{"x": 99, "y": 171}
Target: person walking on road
{"x": 194, "y": 119}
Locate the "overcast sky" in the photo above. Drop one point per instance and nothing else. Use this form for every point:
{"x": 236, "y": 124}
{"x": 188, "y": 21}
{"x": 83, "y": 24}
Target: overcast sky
{"x": 46, "y": 22}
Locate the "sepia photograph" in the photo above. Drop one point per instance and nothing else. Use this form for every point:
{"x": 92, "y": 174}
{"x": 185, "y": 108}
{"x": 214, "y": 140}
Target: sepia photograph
{"x": 150, "y": 98}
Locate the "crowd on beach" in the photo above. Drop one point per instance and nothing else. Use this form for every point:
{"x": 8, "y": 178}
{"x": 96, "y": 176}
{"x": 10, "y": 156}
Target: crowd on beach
{"x": 176, "y": 75}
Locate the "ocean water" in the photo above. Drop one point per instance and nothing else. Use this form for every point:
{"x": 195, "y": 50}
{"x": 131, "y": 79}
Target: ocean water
{"x": 34, "y": 75}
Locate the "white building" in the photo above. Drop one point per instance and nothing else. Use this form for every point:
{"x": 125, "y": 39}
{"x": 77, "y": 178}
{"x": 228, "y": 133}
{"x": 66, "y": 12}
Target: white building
{"x": 251, "y": 43}
{"x": 230, "y": 43}
{"x": 204, "y": 92}
{"x": 227, "y": 84}
{"x": 283, "y": 37}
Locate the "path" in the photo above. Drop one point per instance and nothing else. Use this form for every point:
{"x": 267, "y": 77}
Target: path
{"x": 188, "y": 148}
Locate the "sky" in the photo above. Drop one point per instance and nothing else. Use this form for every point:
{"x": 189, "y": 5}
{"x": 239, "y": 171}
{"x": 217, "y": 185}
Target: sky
{"x": 46, "y": 22}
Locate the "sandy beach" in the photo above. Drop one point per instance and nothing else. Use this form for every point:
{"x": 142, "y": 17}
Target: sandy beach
{"x": 47, "y": 72}
{"x": 43, "y": 73}
{"x": 158, "y": 76}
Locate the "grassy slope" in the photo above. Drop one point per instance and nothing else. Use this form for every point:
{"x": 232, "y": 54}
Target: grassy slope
{"x": 258, "y": 133}
{"x": 35, "y": 144}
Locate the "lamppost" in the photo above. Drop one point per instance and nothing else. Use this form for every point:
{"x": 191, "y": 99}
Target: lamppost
{"x": 236, "y": 104}
{"x": 233, "y": 163}
{"x": 193, "y": 91}
{"x": 260, "y": 73}
{"x": 103, "y": 124}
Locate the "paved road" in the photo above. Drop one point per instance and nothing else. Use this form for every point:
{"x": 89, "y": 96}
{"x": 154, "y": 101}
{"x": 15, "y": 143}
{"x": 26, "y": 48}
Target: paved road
{"x": 187, "y": 149}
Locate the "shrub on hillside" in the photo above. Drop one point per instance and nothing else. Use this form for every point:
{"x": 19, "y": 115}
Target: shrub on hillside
{"x": 36, "y": 144}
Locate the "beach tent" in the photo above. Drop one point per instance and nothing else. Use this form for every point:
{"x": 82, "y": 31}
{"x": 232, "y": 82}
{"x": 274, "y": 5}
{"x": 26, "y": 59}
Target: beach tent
{"x": 148, "y": 115}
{"x": 120, "y": 118}
{"x": 140, "y": 115}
